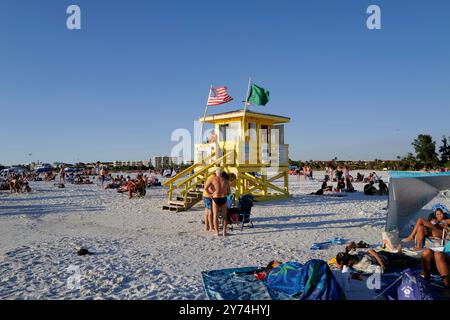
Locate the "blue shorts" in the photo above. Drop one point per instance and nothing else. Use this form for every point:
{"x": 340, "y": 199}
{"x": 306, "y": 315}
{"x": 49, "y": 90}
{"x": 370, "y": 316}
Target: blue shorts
{"x": 207, "y": 202}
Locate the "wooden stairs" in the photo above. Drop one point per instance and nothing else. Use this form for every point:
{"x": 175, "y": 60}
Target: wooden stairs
{"x": 193, "y": 197}
{"x": 186, "y": 188}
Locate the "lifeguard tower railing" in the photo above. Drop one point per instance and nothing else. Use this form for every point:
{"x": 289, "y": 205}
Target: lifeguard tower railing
{"x": 242, "y": 154}
{"x": 255, "y": 172}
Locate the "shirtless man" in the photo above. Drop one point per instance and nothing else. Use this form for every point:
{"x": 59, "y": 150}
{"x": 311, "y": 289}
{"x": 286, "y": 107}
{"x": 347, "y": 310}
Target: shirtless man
{"x": 219, "y": 187}
{"x": 62, "y": 175}
{"x": 103, "y": 174}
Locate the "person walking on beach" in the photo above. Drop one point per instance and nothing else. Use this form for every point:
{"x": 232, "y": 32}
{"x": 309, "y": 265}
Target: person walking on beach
{"x": 219, "y": 187}
{"x": 62, "y": 175}
{"x": 103, "y": 174}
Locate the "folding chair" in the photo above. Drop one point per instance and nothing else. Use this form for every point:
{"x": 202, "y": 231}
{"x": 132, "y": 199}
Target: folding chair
{"x": 242, "y": 213}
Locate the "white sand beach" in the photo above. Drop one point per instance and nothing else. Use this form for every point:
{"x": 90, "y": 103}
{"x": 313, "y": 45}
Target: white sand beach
{"x": 143, "y": 252}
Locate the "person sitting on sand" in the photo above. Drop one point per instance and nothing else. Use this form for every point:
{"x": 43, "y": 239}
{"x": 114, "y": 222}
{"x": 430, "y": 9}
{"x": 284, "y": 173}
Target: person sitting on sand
{"x": 141, "y": 185}
{"x": 349, "y": 186}
{"x": 219, "y": 187}
{"x": 340, "y": 185}
{"x": 436, "y": 261}
{"x": 433, "y": 227}
{"x": 375, "y": 177}
{"x": 369, "y": 189}
{"x": 26, "y": 187}
{"x": 359, "y": 177}
{"x": 370, "y": 261}
{"x": 382, "y": 188}
{"x": 339, "y": 173}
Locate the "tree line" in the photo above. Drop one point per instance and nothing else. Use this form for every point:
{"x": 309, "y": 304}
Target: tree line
{"x": 426, "y": 156}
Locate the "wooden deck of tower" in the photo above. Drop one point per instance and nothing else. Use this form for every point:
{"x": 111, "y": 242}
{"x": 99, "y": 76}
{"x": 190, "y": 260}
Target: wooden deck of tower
{"x": 249, "y": 146}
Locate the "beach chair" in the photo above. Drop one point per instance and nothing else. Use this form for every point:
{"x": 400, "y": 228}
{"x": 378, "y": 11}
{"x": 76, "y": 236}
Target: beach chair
{"x": 242, "y": 213}
{"x": 432, "y": 242}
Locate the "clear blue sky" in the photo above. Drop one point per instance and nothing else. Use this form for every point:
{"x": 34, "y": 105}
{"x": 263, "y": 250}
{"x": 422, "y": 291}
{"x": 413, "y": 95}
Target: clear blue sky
{"x": 140, "y": 69}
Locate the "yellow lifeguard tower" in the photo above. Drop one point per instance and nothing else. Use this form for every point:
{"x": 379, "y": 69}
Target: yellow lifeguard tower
{"x": 249, "y": 146}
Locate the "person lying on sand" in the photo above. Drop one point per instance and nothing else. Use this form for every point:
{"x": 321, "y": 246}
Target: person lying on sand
{"x": 436, "y": 261}
{"x": 433, "y": 227}
{"x": 369, "y": 261}
{"x": 322, "y": 189}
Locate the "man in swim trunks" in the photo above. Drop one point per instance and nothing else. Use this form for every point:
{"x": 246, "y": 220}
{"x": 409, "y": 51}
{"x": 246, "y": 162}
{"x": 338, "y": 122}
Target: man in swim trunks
{"x": 103, "y": 173}
{"x": 219, "y": 187}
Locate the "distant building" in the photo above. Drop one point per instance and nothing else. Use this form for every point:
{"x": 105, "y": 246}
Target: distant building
{"x": 139, "y": 163}
{"x": 165, "y": 161}
{"x": 59, "y": 164}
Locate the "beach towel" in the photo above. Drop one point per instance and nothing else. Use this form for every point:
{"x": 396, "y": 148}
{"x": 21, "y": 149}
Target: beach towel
{"x": 312, "y": 281}
{"x": 317, "y": 283}
{"x": 235, "y": 284}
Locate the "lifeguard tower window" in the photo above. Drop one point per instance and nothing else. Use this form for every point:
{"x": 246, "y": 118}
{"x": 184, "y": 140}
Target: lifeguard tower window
{"x": 265, "y": 134}
{"x": 280, "y": 129}
{"x": 223, "y": 132}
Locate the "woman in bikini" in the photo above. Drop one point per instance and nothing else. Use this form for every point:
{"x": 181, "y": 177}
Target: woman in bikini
{"x": 433, "y": 227}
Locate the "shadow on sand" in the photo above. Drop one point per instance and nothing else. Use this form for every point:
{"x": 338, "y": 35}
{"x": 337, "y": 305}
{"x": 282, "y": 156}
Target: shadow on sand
{"x": 42, "y": 209}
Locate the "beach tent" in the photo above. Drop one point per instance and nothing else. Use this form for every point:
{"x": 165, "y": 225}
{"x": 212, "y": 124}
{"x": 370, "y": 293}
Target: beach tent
{"x": 44, "y": 169}
{"x": 13, "y": 169}
{"x": 409, "y": 192}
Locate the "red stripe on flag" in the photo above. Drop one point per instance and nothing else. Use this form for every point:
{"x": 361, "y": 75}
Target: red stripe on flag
{"x": 218, "y": 96}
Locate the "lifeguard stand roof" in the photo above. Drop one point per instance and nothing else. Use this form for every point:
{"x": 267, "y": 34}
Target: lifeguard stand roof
{"x": 238, "y": 114}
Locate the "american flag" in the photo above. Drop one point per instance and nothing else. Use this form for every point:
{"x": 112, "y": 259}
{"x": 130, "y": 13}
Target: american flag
{"x": 218, "y": 96}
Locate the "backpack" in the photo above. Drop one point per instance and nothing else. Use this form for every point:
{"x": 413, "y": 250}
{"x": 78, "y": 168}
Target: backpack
{"x": 413, "y": 287}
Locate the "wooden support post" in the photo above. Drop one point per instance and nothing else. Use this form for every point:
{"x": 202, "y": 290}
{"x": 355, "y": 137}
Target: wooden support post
{"x": 286, "y": 182}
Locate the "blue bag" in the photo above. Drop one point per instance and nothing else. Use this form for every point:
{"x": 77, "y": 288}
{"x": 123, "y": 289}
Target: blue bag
{"x": 413, "y": 287}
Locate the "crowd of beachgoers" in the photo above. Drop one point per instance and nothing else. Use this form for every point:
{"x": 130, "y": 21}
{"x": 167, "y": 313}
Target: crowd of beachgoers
{"x": 302, "y": 211}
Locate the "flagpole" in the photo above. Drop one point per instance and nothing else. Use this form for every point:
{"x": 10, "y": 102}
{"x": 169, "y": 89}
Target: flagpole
{"x": 204, "y": 115}
{"x": 245, "y": 106}
{"x": 248, "y": 91}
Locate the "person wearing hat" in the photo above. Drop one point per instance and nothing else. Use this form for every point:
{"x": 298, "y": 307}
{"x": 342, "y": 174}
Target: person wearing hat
{"x": 432, "y": 227}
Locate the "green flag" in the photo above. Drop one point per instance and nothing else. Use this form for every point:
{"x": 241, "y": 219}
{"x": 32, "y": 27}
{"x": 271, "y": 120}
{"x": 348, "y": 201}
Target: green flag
{"x": 258, "y": 96}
